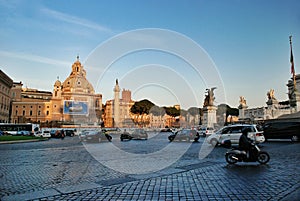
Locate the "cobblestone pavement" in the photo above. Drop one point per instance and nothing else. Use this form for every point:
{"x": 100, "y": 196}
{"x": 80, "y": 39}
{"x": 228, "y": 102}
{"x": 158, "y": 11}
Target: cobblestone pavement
{"x": 64, "y": 170}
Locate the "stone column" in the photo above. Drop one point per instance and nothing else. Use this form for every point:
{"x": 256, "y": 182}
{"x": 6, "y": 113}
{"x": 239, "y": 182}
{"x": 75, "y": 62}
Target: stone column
{"x": 116, "y": 104}
{"x": 209, "y": 116}
{"x": 242, "y": 111}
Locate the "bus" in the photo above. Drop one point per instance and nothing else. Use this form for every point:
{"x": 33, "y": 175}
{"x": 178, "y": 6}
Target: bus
{"x": 13, "y": 129}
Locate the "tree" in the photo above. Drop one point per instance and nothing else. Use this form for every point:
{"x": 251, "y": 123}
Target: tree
{"x": 183, "y": 112}
{"x": 141, "y": 107}
{"x": 157, "y": 111}
{"x": 194, "y": 111}
{"x": 172, "y": 111}
{"x": 226, "y": 109}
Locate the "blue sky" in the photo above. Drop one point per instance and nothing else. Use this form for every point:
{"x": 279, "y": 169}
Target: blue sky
{"x": 246, "y": 40}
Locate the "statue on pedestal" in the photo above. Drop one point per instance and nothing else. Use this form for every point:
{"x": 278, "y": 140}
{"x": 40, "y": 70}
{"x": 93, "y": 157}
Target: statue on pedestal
{"x": 243, "y": 103}
{"x": 270, "y": 95}
{"x": 209, "y": 110}
{"x": 272, "y": 101}
{"x": 209, "y": 97}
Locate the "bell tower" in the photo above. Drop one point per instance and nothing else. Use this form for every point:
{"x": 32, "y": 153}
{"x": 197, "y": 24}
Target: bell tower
{"x": 57, "y": 89}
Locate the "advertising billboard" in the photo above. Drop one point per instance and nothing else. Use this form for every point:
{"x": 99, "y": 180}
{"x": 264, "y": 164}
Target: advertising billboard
{"x": 76, "y": 107}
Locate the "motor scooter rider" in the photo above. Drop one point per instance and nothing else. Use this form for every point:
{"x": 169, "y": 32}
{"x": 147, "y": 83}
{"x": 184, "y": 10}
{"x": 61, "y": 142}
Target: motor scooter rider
{"x": 244, "y": 142}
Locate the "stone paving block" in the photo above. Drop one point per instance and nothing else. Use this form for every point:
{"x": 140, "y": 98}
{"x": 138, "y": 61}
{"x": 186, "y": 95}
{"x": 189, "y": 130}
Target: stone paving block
{"x": 114, "y": 181}
{"x": 31, "y": 195}
{"x": 77, "y": 187}
{"x": 157, "y": 174}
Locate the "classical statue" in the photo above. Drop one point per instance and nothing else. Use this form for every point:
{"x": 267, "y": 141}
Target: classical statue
{"x": 209, "y": 97}
{"x": 242, "y": 101}
{"x": 270, "y": 95}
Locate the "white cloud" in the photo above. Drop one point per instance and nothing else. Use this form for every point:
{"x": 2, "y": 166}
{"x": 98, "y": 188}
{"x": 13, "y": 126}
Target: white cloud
{"x": 75, "y": 20}
{"x": 34, "y": 58}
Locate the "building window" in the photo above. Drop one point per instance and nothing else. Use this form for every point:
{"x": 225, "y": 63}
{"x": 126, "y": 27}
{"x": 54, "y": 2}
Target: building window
{"x": 47, "y": 113}
{"x": 39, "y": 106}
{"x": 23, "y": 112}
{"x": 23, "y": 106}
{"x": 30, "y": 113}
{"x": 39, "y": 112}
{"x": 31, "y": 106}
{"x": 16, "y": 112}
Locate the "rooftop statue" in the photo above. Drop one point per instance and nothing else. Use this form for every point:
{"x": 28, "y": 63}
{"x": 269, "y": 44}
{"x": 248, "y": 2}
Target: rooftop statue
{"x": 270, "y": 95}
{"x": 243, "y": 101}
{"x": 209, "y": 97}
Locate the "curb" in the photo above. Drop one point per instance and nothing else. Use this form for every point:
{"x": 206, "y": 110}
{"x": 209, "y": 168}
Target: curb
{"x": 21, "y": 141}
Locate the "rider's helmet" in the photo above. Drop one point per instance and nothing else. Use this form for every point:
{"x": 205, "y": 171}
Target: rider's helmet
{"x": 246, "y": 130}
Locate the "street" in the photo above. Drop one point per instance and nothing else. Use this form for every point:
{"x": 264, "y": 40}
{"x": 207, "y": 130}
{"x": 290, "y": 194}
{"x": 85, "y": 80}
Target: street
{"x": 70, "y": 170}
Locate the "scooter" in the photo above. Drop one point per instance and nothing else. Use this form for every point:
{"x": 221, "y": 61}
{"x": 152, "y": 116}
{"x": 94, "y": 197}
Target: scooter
{"x": 255, "y": 154}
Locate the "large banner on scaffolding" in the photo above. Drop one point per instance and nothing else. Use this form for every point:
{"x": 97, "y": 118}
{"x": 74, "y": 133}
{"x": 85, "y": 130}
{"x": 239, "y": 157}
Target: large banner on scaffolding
{"x": 76, "y": 107}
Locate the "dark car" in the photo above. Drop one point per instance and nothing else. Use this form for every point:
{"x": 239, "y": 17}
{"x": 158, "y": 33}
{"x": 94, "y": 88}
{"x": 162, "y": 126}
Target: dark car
{"x": 70, "y": 133}
{"x": 56, "y": 133}
{"x": 137, "y": 134}
{"x": 96, "y": 136}
{"x": 282, "y": 130}
{"x": 185, "y": 135}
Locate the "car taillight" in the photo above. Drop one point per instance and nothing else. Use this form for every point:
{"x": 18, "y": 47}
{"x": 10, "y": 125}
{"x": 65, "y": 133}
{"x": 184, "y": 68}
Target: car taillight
{"x": 258, "y": 134}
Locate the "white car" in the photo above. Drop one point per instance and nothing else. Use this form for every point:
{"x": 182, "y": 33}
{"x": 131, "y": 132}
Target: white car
{"x": 206, "y": 131}
{"x": 45, "y": 134}
{"x": 233, "y": 133}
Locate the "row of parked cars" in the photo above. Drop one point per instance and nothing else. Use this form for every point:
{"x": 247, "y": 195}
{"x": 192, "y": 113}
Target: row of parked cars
{"x": 55, "y": 133}
{"x": 100, "y": 135}
{"x": 258, "y": 134}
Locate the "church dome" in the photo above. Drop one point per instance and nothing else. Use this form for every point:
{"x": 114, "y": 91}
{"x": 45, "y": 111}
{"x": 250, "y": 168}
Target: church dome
{"x": 77, "y": 82}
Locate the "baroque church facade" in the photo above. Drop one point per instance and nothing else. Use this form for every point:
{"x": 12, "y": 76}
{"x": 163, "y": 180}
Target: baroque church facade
{"x": 73, "y": 101}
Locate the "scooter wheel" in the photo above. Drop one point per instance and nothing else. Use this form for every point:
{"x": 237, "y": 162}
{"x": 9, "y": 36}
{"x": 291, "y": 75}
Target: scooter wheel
{"x": 263, "y": 157}
{"x": 230, "y": 158}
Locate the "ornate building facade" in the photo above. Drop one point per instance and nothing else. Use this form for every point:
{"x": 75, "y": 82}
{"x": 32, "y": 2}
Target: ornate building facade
{"x": 30, "y": 105}
{"x": 274, "y": 109}
{"x": 6, "y": 84}
{"x": 72, "y": 102}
